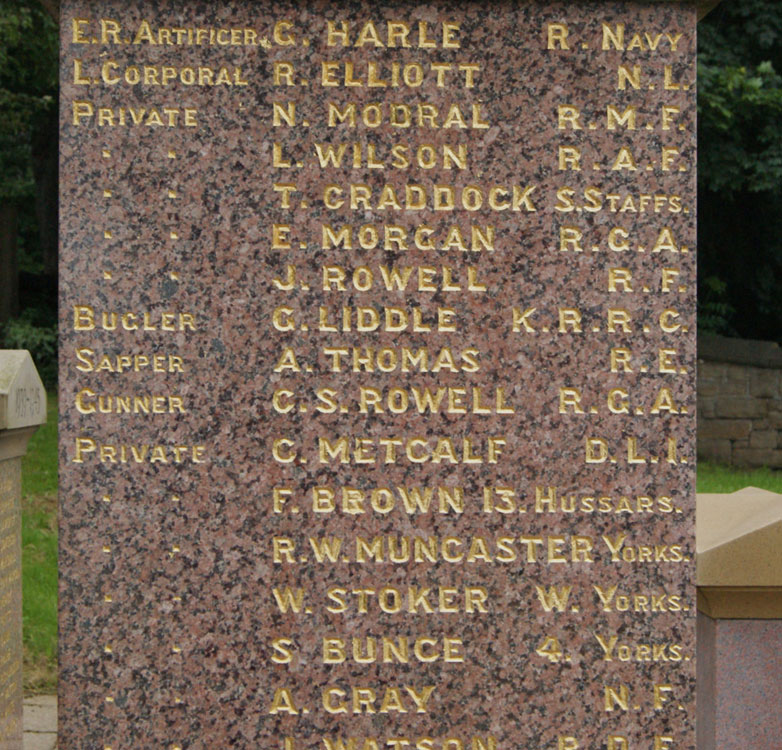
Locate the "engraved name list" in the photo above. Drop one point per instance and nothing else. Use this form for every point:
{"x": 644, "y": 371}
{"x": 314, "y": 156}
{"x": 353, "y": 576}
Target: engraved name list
{"x": 378, "y": 360}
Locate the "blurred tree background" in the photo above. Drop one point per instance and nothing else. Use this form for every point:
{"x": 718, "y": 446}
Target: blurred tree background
{"x": 28, "y": 181}
{"x": 740, "y": 170}
{"x": 739, "y": 179}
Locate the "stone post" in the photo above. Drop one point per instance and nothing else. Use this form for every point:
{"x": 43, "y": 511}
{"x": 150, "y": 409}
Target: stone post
{"x": 22, "y": 409}
{"x": 739, "y": 619}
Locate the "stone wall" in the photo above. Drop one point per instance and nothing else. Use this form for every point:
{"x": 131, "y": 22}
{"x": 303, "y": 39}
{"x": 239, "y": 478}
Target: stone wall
{"x": 740, "y": 401}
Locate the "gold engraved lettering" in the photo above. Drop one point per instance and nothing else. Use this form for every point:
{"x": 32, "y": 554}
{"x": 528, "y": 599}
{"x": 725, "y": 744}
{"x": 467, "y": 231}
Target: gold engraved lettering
{"x": 401, "y": 156}
{"x": 283, "y": 74}
{"x": 618, "y": 402}
{"x": 280, "y": 237}
{"x": 624, "y": 161}
{"x": 341, "y": 212}
{"x": 661, "y": 695}
{"x": 402, "y": 359}
{"x": 413, "y": 600}
{"x": 281, "y": 34}
{"x": 667, "y": 114}
{"x": 442, "y": 197}
{"x": 396, "y": 75}
{"x": 89, "y": 402}
{"x": 570, "y": 320}
{"x": 550, "y": 649}
{"x": 109, "y": 31}
{"x": 425, "y": 400}
{"x": 593, "y": 200}
{"x": 500, "y": 500}
{"x": 570, "y": 239}
{"x": 86, "y": 319}
{"x": 613, "y": 649}
{"x": 78, "y": 78}
{"x": 89, "y": 361}
{"x": 78, "y": 30}
{"x": 397, "y": 34}
{"x": 616, "y": 697}
{"x": 392, "y": 450}
{"x": 282, "y": 451}
{"x": 288, "y": 599}
{"x": 642, "y": 553}
{"x": 548, "y": 550}
{"x": 368, "y": 319}
{"x": 570, "y": 158}
{"x": 628, "y": 75}
{"x": 620, "y": 278}
{"x": 401, "y": 742}
{"x": 112, "y": 74}
{"x": 397, "y": 238}
{"x": 557, "y": 36}
{"x": 670, "y": 276}
{"x": 89, "y": 449}
{"x": 170, "y": 116}
{"x": 553, "y": 598}
{"x": 364, "y": 700}
{"x": 614, "y": 38}
{"x": 668, "y": 322}
{"x": 568, "y": 117}
{"x": 597, "y": 452}
{"x": 383, "y": 500}
{"x": 364, "y": 279}
{"x": 283, "y": 653}
{"x": 401, "y": 115}
{"x": 286, "y": 114}
{"x": 626, "y": 119}
{"x": 283, "y": 703}
{"x": 195, "y": 36}
{"x": 611, "y": 599}
{"x": 550, "y": 500}
{"x": 392, "y": 650}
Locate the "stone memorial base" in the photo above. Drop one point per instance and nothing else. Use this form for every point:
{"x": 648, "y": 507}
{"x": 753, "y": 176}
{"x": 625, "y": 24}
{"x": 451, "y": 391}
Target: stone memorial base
{"x": 739, "y": 620}
{"x": 22, "y": 409}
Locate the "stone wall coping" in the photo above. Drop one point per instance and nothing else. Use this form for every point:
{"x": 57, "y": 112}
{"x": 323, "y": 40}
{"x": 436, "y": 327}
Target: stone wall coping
{"x": 22, "y": 395}
{"x": 739, "y": 603}
{"x": 713, "y": 348}
{"x": 739, "y": 554}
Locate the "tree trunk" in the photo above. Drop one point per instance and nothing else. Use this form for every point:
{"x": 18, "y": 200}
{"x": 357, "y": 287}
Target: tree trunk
{"x": 9, "y": 262}
{"x": 45, "y": 165}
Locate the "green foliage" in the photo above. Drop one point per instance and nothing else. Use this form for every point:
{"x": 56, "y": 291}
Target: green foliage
{"x": 30, "y": 332}
{"x": 741, "y": 32}
{"x": 723, "y": 479}
{"x": 740, "y": 169}
{"x": 28, "y": 89}
{"x": 739, "y": 110}
{"x": 40, "y": 464}
{"x": 39, "y": 591}
{"x": 714, "y": 313}
{"x": 39, "y": 555}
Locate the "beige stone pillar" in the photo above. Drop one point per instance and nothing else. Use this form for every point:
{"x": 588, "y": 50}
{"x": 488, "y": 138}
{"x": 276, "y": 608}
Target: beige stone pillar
{"x": 22, "y": 409}
{"x": 739, "y": 542}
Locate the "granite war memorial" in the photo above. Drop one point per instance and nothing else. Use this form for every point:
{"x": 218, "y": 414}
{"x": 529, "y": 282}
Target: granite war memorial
{"x": 377, "y": 375}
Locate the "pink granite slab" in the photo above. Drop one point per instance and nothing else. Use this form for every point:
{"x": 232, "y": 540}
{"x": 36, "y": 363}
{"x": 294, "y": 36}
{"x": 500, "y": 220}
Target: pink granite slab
{"x": 739, "y": 683}
{"x": 171, "y": 636}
